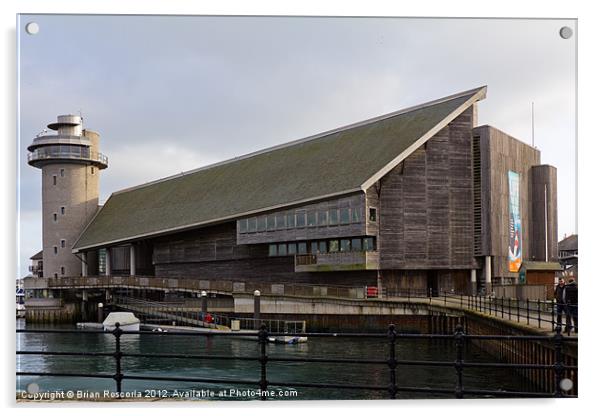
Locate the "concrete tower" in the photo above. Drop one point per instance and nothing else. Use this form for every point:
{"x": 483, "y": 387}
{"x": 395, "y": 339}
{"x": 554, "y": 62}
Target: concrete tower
{"x": 71, "y": 164}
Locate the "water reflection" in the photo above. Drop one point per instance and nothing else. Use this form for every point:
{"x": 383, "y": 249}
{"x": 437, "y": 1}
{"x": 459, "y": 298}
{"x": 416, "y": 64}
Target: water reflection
{"x": 278, "y": 372}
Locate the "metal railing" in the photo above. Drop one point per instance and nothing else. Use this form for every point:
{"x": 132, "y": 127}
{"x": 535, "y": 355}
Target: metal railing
{"x": 531, "y": 312}
{"x": 75, "y": 152}
{"x": 392, "y": 361}
{"x": 173, "y": 313}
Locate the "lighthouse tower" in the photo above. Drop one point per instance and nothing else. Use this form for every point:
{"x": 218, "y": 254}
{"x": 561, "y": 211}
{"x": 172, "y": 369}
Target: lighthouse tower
{"x": 71, "y": 163}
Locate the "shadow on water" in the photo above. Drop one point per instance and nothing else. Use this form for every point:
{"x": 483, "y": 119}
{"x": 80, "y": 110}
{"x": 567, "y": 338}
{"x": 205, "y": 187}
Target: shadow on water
{"x": 279, "y": 373}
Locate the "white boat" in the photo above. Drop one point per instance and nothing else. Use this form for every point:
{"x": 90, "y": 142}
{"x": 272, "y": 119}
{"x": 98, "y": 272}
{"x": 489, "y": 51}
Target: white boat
{"x": 127, "y": 321}
{"x": 288, "y": 339}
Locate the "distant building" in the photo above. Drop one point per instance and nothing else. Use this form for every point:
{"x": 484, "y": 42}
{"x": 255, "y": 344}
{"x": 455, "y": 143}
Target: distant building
{"x": 418, "y": 199}
{"x": 37, "y": 264}
{"x": 569, "y": 257}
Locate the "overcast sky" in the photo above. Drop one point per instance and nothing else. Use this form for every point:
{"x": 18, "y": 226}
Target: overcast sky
{"x": 170, "y": 94}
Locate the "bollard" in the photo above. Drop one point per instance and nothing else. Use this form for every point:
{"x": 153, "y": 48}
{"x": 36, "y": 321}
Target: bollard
{"x": 559, "y": 361}
{"x": 459, "y": 363}
{"x": 203, "y": 305}
{"x": 263, "y": 359}
{"x": 257, "y": 308}
{"x": 100, "y": 313}
{"x": 118, "y": 377}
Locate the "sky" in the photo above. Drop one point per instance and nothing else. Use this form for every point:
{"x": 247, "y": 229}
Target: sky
{"x": 173, "y": 93}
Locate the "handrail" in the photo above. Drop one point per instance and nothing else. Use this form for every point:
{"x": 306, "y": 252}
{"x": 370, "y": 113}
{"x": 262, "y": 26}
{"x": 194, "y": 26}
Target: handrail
{"x": 459, "y": 337}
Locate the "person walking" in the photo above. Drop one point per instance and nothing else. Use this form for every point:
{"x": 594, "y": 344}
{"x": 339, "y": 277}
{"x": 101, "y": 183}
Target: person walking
{"x": 571, "y": 300}
{"x": 561, "y": 307}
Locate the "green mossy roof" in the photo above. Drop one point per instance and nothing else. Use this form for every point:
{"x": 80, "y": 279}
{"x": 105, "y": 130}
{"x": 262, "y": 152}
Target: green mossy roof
{"x": 336, "y": 162}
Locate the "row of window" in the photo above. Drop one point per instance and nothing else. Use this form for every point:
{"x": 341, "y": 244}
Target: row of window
{"x": 62, "y": 174}
{"x": 322, "y": 246}
{"x": 56, "y": 248}
{"x": 55, "y": 216}
{"x": 62, "y": 272}
{"x": 302, "y": 219}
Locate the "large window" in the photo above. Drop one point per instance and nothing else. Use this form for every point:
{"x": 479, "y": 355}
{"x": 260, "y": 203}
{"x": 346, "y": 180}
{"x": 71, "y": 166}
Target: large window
{"x": 271, "y": 222}
{"x": 300, "y": 219}
{"x": 261, "y": 224}
{"x": 322, "y": 218}
{"x": 290, "y": 220}
{"x": 333, "y": 216}
{"x": 252, "y": 227}
{"x": 280, "y": 221}
{"x": 344, "y": 217}
{"x": 312, "y": 219}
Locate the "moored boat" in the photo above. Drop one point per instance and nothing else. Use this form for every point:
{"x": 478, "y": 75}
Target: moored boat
{"x": 127, "y": 321}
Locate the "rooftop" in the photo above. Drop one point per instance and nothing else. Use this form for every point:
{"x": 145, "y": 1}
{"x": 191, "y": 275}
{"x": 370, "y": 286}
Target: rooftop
{"x": 342, "y": 161}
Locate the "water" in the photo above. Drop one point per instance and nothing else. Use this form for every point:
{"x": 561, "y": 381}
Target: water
{"x": 277, "y": 372}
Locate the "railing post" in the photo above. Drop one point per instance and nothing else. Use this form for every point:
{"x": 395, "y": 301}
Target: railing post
{"x": 460, "y": 300}
{"x": 444, "y": 298}
{"x": 118, "y": 377}
{"x": 263, "y": 360}
{"x": 489, "y": 304}
{"x": 559, "y": 362}
{"x": 554, "y": 323}
{"x": 528, "y": 312}
{"x": 502, "y": 307}
{"x": 459, "y": 364}
{"x": 392, "y": 363}
{"x": 517, "y": 310}
{"x": 538, "y": 313}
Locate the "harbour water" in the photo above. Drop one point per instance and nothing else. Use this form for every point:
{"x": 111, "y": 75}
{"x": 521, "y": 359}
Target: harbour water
{"x": 277, "y": 372}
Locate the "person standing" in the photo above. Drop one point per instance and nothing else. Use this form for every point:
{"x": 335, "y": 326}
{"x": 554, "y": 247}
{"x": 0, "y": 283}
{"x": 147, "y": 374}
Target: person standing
{"x": 561, "y": 307}
{"x": 571, "y": 300}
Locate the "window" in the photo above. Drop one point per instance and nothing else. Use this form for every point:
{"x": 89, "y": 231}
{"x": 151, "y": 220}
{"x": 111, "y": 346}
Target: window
{"x": 252, "y": 224}
{"x": 345, "y": 244}
{"x": 322, "y": 247}
{"x": 292, "y": 248}
{"x": 55, "y": 217}
{"x": 300, "y": 219}
{"x": 54, "y": 179}
{"x": 282, "y": 249}
{"x": 312, "y": 219}
{"x": 322, "y": 218}
{"x": 56, "y": 250}
{"x": 279, "y": 221}
{"x": 242, "y": 226}
{"x": 345, "y": 216}
{"x": 302, "y": 248}
{"x": 62, "y": 210}
{"x": 92, "y": 170}
{"x": 273, "y": 250}
{"x": 62, "y": 173}
{"x": 356, "y": 244}
{"x": 62, "y": 270}
{"x": 63, "y": 243}
{"x": 372, "y": 214}
{"x": 356, "y": 215}
{"x": 56, "y": 275}
{"x": 290, "y": 220}
{"x": 333, "y": 216}
{"x": 102, "y": 261}
{"x": 333, "y": 245}
{"x": 261, "y": 223}
{"x": 368, "y": 243}
{"x": 314, "y": 247}
{"x": 271, "y": 222}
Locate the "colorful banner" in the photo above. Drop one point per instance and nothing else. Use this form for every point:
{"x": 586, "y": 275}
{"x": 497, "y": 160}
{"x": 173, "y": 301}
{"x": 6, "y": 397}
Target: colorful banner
{"x": 515, "y": 243}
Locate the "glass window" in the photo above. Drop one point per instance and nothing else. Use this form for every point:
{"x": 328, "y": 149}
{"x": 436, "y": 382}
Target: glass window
{"x": 62, "y": 210}
{"x": 372, "y": 214}
{"x": 62, "y": 270}
{"x": 345, "y": 216}
{"x": 62, "y": 173}
{"x": 282, "y": 249}
{"x": 312, "y": 219}
{"x": 333, "y": 245}
{"x": 322, "y": 247}
{"x": 242, "y": 225}
{"x": 252, "y": 224}
{"x": 92, "y": 170}
{"x": 356, "y": 215}
{"x": 63, "y": 243}
{"x": 279, "y": 221}
{"x": 271, "y": 222}
{"x": 322, "y": 218}
{"x": 356, "y": 244}
{"x": 302, "y": 248}
{"x": 54, "y": 217}
{"x": 56, "y": 250}
{"x": 314, "y": 247}
{"x": 273, "y": 250}
{"x": 300, "y": 219}
{"x": 290, "y": 220}
{"x": 333, "y": 216}
{"x": 54, "y": 179}
{"x": 345, "y": 244}
{"x": 261, "y": 223}
{"x": 368, "y": 243}
{"x": 292, "y": 248}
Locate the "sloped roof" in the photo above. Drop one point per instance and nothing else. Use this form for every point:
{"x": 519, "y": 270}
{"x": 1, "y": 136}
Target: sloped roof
{"x": 37, "y": 256}
{"x": 569, "y": 243}
{"x": 337, "y": 162}
{"x": 541, "y": 265}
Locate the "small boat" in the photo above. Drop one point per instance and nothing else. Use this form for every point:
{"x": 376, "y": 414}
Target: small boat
{"x": 127, "y": 321}
{"x": 288, "y": 339}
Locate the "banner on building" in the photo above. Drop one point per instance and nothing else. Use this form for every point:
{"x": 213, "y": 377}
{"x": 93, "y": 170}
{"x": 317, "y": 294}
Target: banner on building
{"x": 515, "y": 243}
